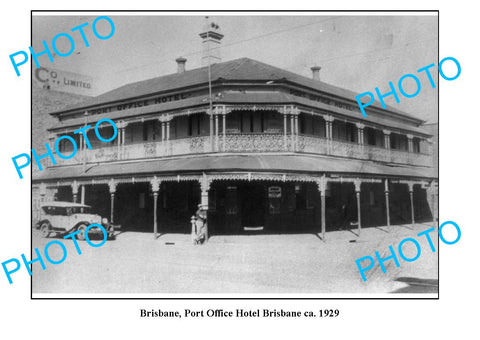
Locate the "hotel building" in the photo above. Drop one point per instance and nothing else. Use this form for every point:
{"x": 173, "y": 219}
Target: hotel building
{"x": 263, "y": 149}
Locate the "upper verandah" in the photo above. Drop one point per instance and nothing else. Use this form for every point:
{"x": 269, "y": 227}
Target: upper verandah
{"x": 243, "y": 70}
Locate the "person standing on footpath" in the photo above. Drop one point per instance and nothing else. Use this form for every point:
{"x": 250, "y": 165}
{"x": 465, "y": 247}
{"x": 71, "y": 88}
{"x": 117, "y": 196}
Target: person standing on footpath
{"x": 201, "y": 224}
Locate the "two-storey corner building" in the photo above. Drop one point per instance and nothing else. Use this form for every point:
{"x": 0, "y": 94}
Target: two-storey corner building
{"x": 263, "y": 148}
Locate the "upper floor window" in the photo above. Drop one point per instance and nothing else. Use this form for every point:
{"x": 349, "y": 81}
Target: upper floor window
{"x": 373, "y": 137}
{"x": 194, "y": 122}
{"x": 343, "y": 131}
{"x": 370, "y": 136}
{"x": 150, "y": 130}
{"x": 416, "y": 145}
{"x": 398, "y": 142}
{"x": 311, "y": 125}
{"x": 66, "y": 146}
{"x": 254, "y": 122}
{"x": 350, "y": 134}
{"x": 192, "y": 125}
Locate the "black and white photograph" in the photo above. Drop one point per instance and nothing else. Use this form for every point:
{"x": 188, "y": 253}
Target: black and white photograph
{"x": 229, "y": 155}
{"x": 239, "y": 171}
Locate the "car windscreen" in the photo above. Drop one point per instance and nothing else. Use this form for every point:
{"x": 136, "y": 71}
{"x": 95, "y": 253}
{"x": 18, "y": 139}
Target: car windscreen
{"x": 81, "y": 210}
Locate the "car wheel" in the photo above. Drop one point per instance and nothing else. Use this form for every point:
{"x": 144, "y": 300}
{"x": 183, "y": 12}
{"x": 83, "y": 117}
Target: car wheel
{"x": 81, "y": 234}
{"x": 45, "y": 229}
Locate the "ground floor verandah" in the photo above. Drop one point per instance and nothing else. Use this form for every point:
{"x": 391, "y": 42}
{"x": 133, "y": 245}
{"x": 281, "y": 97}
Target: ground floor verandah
{"x": 249, "y": 203}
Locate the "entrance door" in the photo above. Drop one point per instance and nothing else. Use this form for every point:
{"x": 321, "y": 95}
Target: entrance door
{"x": 253, "y": 205}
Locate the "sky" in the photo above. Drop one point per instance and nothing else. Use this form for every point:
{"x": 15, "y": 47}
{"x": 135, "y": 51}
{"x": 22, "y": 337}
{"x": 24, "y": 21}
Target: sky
{"x": 356, "y": 52}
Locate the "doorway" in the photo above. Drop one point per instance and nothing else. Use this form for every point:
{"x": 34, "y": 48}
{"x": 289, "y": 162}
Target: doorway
{"x": 253, "y": 206}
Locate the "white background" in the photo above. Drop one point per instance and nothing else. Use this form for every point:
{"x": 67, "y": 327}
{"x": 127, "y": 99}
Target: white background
{"x": 454, "y": 315}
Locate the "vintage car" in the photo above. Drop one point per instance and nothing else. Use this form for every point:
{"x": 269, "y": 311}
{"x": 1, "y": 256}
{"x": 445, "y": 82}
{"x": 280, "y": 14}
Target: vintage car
{"x": 67, "y": 217}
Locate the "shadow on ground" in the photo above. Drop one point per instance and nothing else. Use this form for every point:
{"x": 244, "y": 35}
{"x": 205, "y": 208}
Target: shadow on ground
{"x": 416, "y": 285}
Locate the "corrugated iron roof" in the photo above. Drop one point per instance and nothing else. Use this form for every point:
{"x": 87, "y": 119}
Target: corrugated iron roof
{"x": 284, "y": 163}
{"x": 242, "y": 69}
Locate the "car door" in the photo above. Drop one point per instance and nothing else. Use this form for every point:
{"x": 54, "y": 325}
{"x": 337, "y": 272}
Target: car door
{"x": 59, "y": 219}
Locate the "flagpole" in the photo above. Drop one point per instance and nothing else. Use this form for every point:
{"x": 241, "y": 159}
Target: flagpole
{"x": 210, "y": 91}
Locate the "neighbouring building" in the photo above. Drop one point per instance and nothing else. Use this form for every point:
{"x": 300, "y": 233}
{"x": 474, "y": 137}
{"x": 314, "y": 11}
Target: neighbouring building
{"x": 264, "y": 149}
{"x": 432, "y": 128}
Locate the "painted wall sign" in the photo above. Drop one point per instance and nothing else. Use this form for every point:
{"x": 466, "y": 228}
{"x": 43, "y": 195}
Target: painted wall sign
{"x": 141, "y": 103}
{"x": 324, "y": 100}
{"x": 62, "y": 81}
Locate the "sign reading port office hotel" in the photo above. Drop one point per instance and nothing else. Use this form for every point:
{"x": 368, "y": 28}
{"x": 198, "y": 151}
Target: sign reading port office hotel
{"x": 273, "y": 151}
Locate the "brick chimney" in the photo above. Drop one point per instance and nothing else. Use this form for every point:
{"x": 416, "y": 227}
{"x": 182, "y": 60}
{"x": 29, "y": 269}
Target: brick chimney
{"x": 211, "y": 36}
{"x": 181, "y": 64}
{"x": 315, "y": 72}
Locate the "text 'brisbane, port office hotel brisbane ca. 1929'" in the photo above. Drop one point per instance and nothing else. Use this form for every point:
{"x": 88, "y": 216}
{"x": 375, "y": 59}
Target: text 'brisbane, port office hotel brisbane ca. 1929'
{"x": 263, "y": 149}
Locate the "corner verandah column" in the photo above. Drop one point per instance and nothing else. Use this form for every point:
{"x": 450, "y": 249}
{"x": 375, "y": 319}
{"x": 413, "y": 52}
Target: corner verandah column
{"x": 386, "y": 136}
{"x": 412, "y": 209}
{"x": 165, "y": 129}
{"x": 75, "y": 186}
{"x": 358, "y": 184}
{"x": 121, "y": 125}
{"x": 211, "y": 125}
{"x": 360, "y": 135}
{"x": 410, "y": 143}
{"x": 224, "y": 127}
{"x": 168, "y": 118}
{"x": 322, "y": 186}
{"x": 387, "y": 202}
{"x": 329, "y": 131}
{"x": 217, "y": 142}
{"x": 285, "y": 128}
{"x": 82, "y": 194}
{"x": 433, "y": 189}
{"x": 162, "y": 123}
{"x": 292, "y": 131}
{"x": 205, "y": 183}
{"x": 112, "y": 186}
{"x": 155, "y": 185}
{"x": 296, "y": 113}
